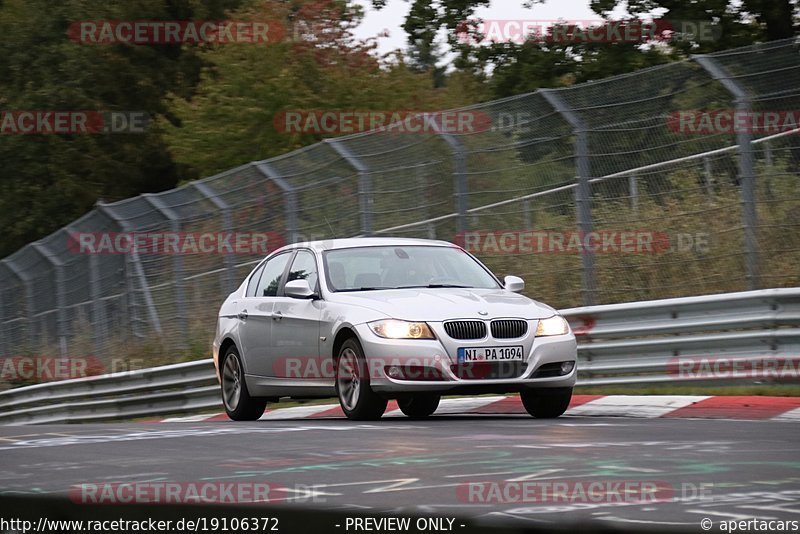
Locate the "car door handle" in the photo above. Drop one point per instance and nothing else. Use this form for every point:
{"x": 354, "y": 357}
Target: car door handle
{"x": 242, "y": 315}
{"x": 277, "y": 316}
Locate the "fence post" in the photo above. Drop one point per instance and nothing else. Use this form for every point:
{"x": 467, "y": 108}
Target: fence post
{"x": 3, "y": 335}
{"x": 26, "y": 280}
{"x": 768, "y": 154}
{"x": 289, "y": 194}
{"x": 527, "y": 219}
{"x": 709, "y": 176}
{"x": 583, "y": 193}
{"x": 422, "y": 185}
{"x": 133, "y": 270}
{"x": 744, "y": 139}
{"x": 459, "y": 176}
{"x": 4, "y": 329}
{"x": 174, "y": 219}
{"x": 61, "y": 318}
{"x": 365, "y": 199}
{"x": 98, "y": 316}
{"x": 633, "y": 187}
{"x": 227, "y": 227}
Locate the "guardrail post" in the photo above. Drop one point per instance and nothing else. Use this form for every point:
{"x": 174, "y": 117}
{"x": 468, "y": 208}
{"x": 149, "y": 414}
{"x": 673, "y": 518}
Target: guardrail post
{"x": 460, "y": 185}
{"x": 177, "y": 264}
{"x": 583, "y": 192}
{"x": 289, "y": 195}
{"x": 26, "y": 280}
{"x": 744, "y": 139}
{"x": 133, "y": 271}
{"x": 227, "y": 226}
{"x": 365, "y": 199}
{"x": 61, "y": 317}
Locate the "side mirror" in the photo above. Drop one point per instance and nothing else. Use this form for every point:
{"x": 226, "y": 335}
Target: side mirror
{"x": 515, "y": 284}
{"x": 299, "y": 289}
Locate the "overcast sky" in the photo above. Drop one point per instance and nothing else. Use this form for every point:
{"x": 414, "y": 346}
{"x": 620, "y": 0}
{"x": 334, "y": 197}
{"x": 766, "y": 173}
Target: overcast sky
{"x": 392, "y": 16}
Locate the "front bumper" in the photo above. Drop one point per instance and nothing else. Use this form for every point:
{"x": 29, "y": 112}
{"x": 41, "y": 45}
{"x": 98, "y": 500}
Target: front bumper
{"x": 440, "y": 354}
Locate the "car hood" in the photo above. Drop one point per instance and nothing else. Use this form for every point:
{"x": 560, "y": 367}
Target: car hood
{"x": 446, "y": 303}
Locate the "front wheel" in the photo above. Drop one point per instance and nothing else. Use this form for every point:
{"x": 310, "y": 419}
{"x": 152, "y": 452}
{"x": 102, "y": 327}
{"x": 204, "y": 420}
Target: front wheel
{"x": 239, "y": 405}
{"x": 356, "y": 397}
{"x": 419, "y": 406}
{"x": 546, "y": 403}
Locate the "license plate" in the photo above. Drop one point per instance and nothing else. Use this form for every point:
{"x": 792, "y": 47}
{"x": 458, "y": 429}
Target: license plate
{"x": 490, "y": 354}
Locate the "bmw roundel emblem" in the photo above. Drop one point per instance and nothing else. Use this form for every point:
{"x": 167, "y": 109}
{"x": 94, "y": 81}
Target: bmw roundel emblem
{"x": 483, "y": 312}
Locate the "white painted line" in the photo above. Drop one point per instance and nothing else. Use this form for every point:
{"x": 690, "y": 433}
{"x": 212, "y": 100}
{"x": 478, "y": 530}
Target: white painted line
{"x": 188, "y": 418}
{"x": 297, "y": 412}
{"x": 455, "y": 406}
{"x": 791, "y": 415}
{"x": 465, "y": 404}
{"x": 649, "y": 406}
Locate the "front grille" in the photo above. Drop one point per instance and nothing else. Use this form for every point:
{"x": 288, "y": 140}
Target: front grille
{"x": 465, "y": 329}
{"x": 509, "y": 328}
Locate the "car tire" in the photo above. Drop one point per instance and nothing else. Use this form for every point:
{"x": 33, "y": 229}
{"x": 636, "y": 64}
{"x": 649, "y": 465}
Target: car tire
{"x": 546, "y": 403}
{"x": 419, "y": 406}
{"x": 356, "y": 397}
{"x": 236, "y": 399}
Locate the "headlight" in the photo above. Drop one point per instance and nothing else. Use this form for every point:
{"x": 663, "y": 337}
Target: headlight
{"x": 552, "y": 326}
{"x": 394, "y": 329}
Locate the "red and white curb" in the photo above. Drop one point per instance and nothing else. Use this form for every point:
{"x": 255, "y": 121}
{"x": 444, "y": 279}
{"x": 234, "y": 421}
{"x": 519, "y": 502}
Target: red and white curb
{"x": 640, "y": 406}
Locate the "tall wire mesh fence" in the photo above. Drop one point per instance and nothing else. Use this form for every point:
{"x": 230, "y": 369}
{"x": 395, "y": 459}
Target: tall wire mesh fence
{"x": 597, "y": 193}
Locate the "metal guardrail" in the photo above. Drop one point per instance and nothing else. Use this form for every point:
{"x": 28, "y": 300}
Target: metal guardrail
{"x": 180, "y": 388}
{"x": 631, "y": 343}
{"x": 670, "y": 340}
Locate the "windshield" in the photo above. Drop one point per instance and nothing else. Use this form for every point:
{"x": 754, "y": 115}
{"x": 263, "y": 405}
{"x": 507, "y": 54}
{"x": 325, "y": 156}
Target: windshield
{"x": 397, "y": 267}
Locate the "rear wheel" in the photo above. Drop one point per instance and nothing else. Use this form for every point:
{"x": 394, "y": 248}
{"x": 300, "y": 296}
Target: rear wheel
{"x": 419, "y": 406}
{"x": 546, "y": 403}
{"x": 356, "y": 397}
{"x": 239, "y": 405}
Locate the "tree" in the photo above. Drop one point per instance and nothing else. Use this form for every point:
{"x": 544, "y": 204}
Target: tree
{"x": 231, "y": 118}
{"x": 515, "y": 68}
{"x": 47, "y": 181}
{"x": 736, "y": 23}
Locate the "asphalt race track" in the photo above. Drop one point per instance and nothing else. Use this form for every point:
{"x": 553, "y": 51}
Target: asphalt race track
{"x": 715, "y": 469}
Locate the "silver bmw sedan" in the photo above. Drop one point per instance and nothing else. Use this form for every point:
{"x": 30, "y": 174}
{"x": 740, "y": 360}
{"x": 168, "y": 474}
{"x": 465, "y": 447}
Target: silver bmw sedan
{"x": 373, "y": 319}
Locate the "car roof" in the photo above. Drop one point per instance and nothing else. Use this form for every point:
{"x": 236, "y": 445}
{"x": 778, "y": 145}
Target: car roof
{"x": 333, "y": 244}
